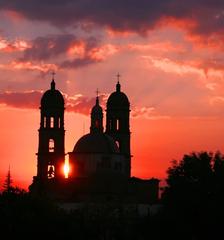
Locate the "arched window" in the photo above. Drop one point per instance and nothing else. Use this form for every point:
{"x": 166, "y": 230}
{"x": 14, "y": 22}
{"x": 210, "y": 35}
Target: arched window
{"x": 59, "y": 122}
{"x": 97, "y": 124}
{"x": 110, "y": 124}
{"x": 50, "y": 171}
{"x": 51, "y": 145}
{"x": 51, "y": 122}
{"x": 117, "y": 124}
{"x": 45, "y": 122}
{"x": 118, "y": 144}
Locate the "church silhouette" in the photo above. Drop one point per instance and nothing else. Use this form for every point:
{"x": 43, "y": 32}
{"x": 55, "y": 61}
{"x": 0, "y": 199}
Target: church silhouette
{"x": 100, "y": 163}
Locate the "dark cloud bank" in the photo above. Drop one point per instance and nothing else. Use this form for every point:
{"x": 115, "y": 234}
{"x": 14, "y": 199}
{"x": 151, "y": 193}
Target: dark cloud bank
{"x": 52, "y": 46}
{"x": 122, "y": 15}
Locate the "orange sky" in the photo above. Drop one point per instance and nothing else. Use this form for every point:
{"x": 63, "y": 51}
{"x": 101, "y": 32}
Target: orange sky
{"x": 170, "y": 58}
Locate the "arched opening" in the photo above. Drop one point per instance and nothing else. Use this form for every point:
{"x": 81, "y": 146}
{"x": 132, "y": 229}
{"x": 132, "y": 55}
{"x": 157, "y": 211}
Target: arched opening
{"x": 45, "y": 122}
{"x": 118, "y": 144}
{"x": 66, "y": 167}
{"x": 59, "y": 122}
{"x": 97, "y": 124}
{"x": 50, "y": 171}
{"x": 51, "y": 122}
{"x": 110, "y": 124}
{"x": 51, "y": 145}
{"x": 117, "y": 124}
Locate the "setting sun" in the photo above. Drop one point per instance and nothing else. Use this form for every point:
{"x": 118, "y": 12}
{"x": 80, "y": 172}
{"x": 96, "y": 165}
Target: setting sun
{"x": 66, "y": 168}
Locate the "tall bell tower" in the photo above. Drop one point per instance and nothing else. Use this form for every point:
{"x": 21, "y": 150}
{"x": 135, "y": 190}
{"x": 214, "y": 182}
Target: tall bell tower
{"x": 51, "y": 150}
{"x": 117, "y": 123}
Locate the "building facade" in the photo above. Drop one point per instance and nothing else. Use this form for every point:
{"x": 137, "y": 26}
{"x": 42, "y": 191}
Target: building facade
{"x": 100, "y": 163}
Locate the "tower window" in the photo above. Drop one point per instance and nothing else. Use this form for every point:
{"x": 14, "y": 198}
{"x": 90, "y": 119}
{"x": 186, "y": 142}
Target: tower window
{"x": 110, "y": 124}
{"x": 45, "y": 122}
{"x": 97, "y": 124}
{"x": 59, "y": 122}
{"x": 118, "y": 144}
{"x": 50, "y": 171}
{"x": 51, "y": 122}
{"x": 117, "y": 124}
{"x": 51, "y": 145}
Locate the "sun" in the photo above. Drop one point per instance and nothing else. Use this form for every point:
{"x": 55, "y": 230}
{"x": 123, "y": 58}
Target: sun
{"x": 66, "y": 168}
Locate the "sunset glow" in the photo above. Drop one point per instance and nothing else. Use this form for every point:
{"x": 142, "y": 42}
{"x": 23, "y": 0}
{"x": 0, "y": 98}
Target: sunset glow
{"x": 66, "y": 168}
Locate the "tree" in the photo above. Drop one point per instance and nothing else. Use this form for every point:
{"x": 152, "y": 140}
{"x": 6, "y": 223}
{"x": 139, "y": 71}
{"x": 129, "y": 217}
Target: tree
{"x": 7, "y": 186}
{"x": 194, "y": 194}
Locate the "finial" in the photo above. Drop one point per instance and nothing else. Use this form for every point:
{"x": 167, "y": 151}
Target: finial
{"x": 118, "y": 86}
{"x": 97, "y": 92}
{"x": 53, "y": 82}
{"x": 53, "y": 74}
{"x": 118, "y": 77}
{"x": 97, "y": 96}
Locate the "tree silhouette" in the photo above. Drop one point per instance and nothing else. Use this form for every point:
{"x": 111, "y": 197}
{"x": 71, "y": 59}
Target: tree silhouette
{"x": 194, "y": 194}
{"x": 7, "y": 186}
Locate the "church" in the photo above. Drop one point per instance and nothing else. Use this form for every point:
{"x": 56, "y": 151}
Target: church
{"x": 99, "y": 164}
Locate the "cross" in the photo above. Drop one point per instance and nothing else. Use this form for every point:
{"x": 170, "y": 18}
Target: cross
{"x": 118, "y": 77}
{"x": 53, "y": 74}
{"x": 97, "y": 92}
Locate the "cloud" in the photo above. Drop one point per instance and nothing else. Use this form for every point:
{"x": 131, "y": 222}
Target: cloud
{"x": 22, "y": 65}
{"x": 66, "y": 51}
{"x": 29, "y": 99}
{"x": 94, "y": 55}
{"x": 170, "y": 66}
{"x": 202, "y": 17}
{"x": 147, "y": 113}
{"x": 13, "y": 46}
{"x": 54, "y": 45}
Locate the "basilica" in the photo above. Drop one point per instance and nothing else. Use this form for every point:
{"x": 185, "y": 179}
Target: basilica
{"x": 99, "y": 164}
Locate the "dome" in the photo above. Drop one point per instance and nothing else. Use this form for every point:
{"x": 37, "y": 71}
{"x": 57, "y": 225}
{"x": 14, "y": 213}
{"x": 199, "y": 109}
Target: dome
{"x": 118, "y": 99}
{"x": 96, "y": 143}
{"x": 97, "y": 109}
{"x": 52, "y": 97}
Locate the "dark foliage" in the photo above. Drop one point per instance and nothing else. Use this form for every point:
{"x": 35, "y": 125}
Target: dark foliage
{"x": 194, "y": 196}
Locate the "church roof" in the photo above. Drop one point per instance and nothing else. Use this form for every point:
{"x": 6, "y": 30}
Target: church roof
{"x": 97, "y": 109}
{"x": 118, "y": 99}
{"x": 96, "y": 143}
{"x": 52, "y": 97}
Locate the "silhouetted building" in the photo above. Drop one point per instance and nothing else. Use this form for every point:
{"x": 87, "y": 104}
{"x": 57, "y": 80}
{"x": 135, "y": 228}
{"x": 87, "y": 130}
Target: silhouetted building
{"x": 100, "y": 163}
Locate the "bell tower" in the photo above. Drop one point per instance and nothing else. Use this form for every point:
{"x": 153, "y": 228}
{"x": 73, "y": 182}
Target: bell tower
{"x": 117, "y": 123}
{"x": 96, "y": 117}
{"x": 51, "y": 150}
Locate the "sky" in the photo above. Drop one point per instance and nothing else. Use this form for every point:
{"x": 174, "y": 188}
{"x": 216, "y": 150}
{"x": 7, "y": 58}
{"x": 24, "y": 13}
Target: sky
{"x": 169, "y": 54}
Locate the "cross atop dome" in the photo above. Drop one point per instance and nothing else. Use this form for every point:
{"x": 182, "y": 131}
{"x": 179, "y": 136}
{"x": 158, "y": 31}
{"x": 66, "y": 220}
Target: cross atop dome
{"x": 118, "y": 86}
{"x": 97, "y": 96}
{"x": 118, "y": 77}
{"x": 53, "y": 82}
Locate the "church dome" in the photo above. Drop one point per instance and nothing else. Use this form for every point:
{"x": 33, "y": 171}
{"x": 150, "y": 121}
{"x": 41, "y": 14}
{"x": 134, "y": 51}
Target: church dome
{"x": 97, "y": 109}
{"x": 96, "y": 143}
{"x": 118, "y": 99}
{"x": 52, "y": 97}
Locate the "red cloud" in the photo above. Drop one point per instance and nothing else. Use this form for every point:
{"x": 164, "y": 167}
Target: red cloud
{"x": 12, "y": 46}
